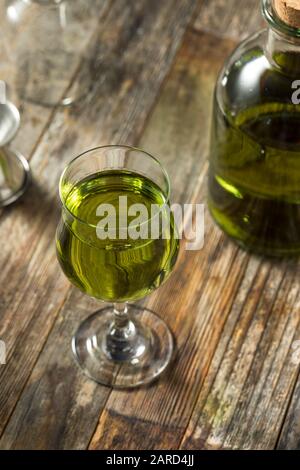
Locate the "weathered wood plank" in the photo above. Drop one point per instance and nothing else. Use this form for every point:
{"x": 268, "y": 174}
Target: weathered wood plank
{"x": 189, "y": 301}
{"x": 133, "y": 35}
{"x": 230, "y": 18}
{"x": 290, "y": 435}
{"x": 57, "y": 395}
{"x": 234, "y": 374}
{"x": 244, "y": 398}
{"x": 30, "y": 227}
{"x": 222, "y": 419}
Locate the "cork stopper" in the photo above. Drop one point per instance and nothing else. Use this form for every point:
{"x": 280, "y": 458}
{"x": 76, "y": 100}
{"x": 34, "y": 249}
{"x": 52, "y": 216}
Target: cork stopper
{"x": 288, "y": 11}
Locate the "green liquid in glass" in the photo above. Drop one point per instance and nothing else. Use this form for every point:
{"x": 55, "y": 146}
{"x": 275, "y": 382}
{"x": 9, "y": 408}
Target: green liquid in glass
{"x": 113, "y": 269}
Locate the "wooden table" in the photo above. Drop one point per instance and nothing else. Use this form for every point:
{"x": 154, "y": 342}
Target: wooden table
{"x": 235, "y": 382}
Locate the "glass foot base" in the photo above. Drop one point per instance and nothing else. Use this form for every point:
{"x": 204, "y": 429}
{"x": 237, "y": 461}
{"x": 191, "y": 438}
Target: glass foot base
{"x": 144, "y": 359}
{"x": 15, "y": 176}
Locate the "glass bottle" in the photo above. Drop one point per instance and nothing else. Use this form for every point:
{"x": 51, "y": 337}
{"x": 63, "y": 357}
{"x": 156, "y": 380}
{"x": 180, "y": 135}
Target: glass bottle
{"x": 46, "y": 42}
{"x": 254, "y": 177}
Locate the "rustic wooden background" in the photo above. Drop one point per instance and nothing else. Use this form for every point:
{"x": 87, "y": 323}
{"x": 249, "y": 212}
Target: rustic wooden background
{"x": 235, "y": 382}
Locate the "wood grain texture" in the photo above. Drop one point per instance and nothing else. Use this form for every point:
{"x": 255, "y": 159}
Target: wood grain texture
{"x": 235, "y": 381}
{"x": 230, "y": 18}
{"x": 59, "y": 405}
{"x": 28, "y": 286}
{"x": 247, "y": 390}
{"x": 290, "y": 435}
{"x": 124, "y": 92}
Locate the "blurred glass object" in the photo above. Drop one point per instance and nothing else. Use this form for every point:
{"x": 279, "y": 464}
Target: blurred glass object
{"x": 14, "y": 168}
{"x": 46, "y": 44}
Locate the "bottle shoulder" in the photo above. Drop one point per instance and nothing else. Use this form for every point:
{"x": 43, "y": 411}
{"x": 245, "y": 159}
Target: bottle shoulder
{"x": 249, "y": 78}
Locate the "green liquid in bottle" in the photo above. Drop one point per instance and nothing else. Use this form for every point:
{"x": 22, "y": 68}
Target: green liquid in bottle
{"x": 113, "y": 269}
{"x": 254, "y": 180}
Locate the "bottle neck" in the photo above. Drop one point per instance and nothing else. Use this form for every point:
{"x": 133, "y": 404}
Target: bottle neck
{"x": 283, "y": 43}
{"x": 283, "y": 52}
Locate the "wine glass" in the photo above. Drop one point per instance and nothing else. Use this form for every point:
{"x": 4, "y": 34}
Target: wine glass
{"x": 48, "y": 46}
{"x": 117, "y": 242}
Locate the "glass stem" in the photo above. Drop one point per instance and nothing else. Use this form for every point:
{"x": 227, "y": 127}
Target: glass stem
{"x": 121, "y": 319}
{"x": 121, "y": 336}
